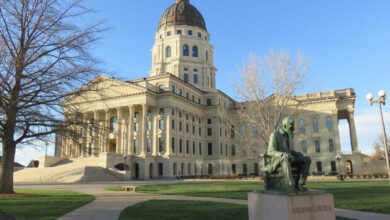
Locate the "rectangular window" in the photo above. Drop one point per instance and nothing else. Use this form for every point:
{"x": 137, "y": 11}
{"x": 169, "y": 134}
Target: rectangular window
{"x": 161, "y": 124}
{"x": 234, "y": 169}
{"x": 210, "y": 149}
{"x": 195, "y": 78}
{"x": 209, "y": 121}
{"x": 161, "y": 88}
{"x": 161, "y": 144}
{"x": 209, "y": 131}
{"x": 319, "y": 166}
{"x": 193, "y": 129}
{"x": 315, "y": 125}
{"x": 209, "y": 103}
{"x": 136, "y": 126}
{"x": 254, "y": 132}
{"x": 193, "y": 98}
{"x": 200, "y": 149}
{"x": 136, "y": 146}
{"x": 148, "y": 145}
{"x": 187, "y": 130}
{"x": 226, "y": 150}
{"x": 160, "y": 169}
{"x": 136, "y": 114}
{"x": 244, "y": 169}
{"x": 173, "y": 145}
{"x": 180, "y": 126}
{"x": 243, "y": 133}
{"x": 200, "y": 35}
{"x": 180, "y": 92}
{"x": 185, "y": 69}
{"x": 187, "y": 96}
{"x": 187, "y": 147}
{"x": 161, "y": 111}
{"x": 302, "y": 126}
{"x": 173, "y": 89}
{"x": 221, "y": 149}
{"x": 179, "y": 32}
{"x": 149, "y": 113}
{"x": 333, "y": 166}
{"x": 199, "y": 101}
{"x": 186, "y": 77}
{"x": 180, "y": 146}
{"x": 169, "y": 33}
{"x": 190, "y": 32}
{"x": 329, "y": 123}
{"x": 179, "y": 114}
{"x": 193, "y": 148}
{"x": 200, "y": 131}
{"x": 149, "y": 125}
{"x": 173, "y": 124}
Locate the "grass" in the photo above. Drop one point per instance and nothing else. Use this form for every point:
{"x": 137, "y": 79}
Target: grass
{"x": 363, "y": 196}
{"x": 189, "y": 210}
{"x": 43, "y": 204}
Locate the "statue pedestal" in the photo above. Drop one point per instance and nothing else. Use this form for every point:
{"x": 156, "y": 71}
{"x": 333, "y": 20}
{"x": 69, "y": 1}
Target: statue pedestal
{"x": 310, "y": 205}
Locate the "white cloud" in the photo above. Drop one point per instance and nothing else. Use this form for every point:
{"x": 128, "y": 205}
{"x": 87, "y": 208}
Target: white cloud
{"x": 368, "y": 127}
{"x": 27, "y": 153}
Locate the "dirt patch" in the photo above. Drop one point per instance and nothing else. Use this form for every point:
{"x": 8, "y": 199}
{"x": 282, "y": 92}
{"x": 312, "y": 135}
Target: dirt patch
{"x": 16, "y": 195}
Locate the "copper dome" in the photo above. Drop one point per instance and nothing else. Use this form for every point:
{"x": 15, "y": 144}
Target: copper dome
{"x": 182, "y": 13}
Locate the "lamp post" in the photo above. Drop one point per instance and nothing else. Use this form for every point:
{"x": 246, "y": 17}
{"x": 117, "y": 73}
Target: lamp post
{"x": 380, "y": 101}
{"x": 338, "y": 158}
{"x": 124, "y": 165}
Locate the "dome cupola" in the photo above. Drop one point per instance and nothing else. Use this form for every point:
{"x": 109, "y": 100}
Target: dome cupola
{"x": 182, "y": 13}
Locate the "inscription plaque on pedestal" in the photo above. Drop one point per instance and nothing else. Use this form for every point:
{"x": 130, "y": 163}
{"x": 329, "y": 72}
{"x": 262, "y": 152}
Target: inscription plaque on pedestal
{"x": 311, "y": 205}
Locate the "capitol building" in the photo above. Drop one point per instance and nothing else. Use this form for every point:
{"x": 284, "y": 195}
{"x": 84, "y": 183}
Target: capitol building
{"x": 177, "y": 123}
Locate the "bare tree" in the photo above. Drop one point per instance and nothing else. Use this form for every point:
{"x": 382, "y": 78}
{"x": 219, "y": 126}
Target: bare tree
{"x": 44, "y": 56}
{"x": 379, "y": 150}
{"x": 266, "y": 94}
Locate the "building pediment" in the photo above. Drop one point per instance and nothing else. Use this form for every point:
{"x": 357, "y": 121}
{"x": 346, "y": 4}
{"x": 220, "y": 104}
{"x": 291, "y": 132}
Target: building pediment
{"x": 102, "y": 88}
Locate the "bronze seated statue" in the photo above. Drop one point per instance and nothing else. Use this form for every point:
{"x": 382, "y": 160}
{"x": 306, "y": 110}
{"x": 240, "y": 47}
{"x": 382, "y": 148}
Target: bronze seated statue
{"x": 284, "y": 169}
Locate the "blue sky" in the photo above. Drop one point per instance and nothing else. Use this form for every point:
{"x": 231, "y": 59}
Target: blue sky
{"x": 347, "y": 43}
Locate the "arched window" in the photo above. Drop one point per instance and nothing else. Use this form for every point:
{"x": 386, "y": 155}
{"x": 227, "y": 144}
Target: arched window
{"x": 195, "y": 51}
{"x": 317, "y": 145}
{"x": 304, "y": 146}
{"x": 113, "y": 125}
{"x": 329, "y": 123}
{"x": 186, "y": 50}
{"x": 331, "y": 145}
{"x": 168, "y": 52}
{"x": 207, "y": 55}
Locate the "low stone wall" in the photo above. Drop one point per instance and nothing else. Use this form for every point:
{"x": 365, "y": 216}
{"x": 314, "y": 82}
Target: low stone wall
{"x": 48, "y": 161}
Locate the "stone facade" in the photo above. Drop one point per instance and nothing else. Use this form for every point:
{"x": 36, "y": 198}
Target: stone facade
{"x": 176, "y": 123}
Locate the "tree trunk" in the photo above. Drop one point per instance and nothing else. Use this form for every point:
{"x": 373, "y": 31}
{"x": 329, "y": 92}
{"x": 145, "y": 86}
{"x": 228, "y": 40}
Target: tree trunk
{"x": 7, "y": 171}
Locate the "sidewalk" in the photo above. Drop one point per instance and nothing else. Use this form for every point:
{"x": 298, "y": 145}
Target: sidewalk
{"x": 109, "y": 204}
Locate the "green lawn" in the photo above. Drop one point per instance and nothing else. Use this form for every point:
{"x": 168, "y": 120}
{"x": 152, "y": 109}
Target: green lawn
{"x": 362, "y": 196}
{"x": 189, "y": 210}
{"x": 44, "y": 204}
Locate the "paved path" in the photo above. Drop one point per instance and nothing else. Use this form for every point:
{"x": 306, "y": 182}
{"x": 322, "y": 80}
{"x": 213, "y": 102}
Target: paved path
{"x": 108, "y": 204}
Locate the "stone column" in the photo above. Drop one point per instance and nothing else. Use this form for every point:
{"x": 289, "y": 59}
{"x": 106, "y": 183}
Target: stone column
{"x": 352, "y": 131}
{"x": 119, "y": 131}
{"x": 155, "y": 135}
{"x": 84, "y": 146}
{"x": 130, "y": 131}
{"x": 96, "y": 128}
{"x": 168, "y": 131}
{"x": 106, "y": 131}
{"x": 143, "y": 131}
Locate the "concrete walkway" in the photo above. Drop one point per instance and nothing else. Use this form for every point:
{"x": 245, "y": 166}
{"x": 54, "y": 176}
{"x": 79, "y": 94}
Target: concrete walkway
{"x": 108, "y": 204}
